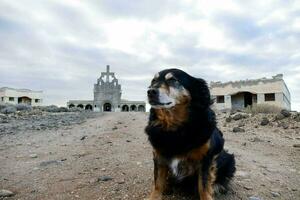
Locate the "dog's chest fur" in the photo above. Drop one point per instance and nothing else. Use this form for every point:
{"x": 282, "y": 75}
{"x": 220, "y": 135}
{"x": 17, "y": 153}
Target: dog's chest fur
{"x": 182, "y": 168}
{"x": 187, "y": 164}
{"x": 170, "y": 119}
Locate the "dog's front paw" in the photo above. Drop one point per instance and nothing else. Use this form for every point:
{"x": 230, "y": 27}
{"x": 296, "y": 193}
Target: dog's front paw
{"x": 155, "y": 196}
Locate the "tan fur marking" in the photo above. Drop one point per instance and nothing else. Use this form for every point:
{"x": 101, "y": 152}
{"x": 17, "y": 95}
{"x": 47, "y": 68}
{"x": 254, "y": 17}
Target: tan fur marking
{"x": 171, "y": 118}
{"x": 165, "y": 87}
{"x": 160, "y": 179}
{"x": 168, "y": 76}
{"x": 212, "y": 177}
{"x": 199, "y": 153}
{"x": 208, "y": 192}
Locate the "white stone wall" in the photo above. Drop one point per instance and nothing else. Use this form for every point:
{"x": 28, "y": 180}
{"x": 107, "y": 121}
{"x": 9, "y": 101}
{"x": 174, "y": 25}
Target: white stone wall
{"x": 258, "y": 87}
{"x": 6, "y": 93}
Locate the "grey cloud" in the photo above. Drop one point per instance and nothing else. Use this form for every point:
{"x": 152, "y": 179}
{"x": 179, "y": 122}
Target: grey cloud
{"x": 143, "y": 9}
{"x": 36, "y": 52}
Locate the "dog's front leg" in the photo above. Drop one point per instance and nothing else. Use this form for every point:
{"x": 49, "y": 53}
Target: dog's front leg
{"x": 160, "y": 180}
{"x": 206, "y": 179}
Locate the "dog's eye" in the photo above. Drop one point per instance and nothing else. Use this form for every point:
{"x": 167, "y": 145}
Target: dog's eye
{"x": 153, "y": 81}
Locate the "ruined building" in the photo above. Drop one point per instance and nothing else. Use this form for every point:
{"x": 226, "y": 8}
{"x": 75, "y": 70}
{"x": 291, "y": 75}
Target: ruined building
{"x": 21, "y": 96}
{"x": 107, "y": 97}
{"x": 240, "y": 94}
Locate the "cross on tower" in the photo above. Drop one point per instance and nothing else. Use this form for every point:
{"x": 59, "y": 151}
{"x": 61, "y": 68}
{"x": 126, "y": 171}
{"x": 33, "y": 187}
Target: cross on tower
{"x": 108, "y": 73}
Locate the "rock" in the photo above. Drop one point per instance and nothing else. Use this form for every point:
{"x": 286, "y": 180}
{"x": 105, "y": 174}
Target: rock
{"x": 114, "y": 128}
{"x": 105, "y": 178}
{"x": 241, "y": 124}
{"x": 50, "y": 162}
{"x": 284, "y": 125}
{"x": 33, "y": 155}
{"x": 128, "y": 141}
{"x": 265, "y": 121}
{"x": 296, "y": 145}
{"x": 254, "y": 198}
{"x": 275, "y": 194}
{"x": 93, "y": 180}
{"x": 238, "y": 129}
{"x": 256, "y": 139}
{"x": 83, "y": 137}
{"x": 237, "y": 116}
{"x": 6, "y": 193}
{"x": 297, "y": 118}
{"x": 121, "y": 181}
{"x": 279, "y": 116}
{"x": 103, "y": 169}
{"x": 285, "y": 113}
{"x": 248, "y": 187}
{"x": 228, "y": 119}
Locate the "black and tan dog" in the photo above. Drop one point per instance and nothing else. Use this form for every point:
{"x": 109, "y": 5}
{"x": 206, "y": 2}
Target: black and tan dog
{"x": 182, "y": 130}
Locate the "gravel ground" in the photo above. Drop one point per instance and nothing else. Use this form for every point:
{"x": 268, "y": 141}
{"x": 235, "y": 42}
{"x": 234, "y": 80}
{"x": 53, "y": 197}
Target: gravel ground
{"x": 39, "y": 120}
{"x": 93, "y": 156}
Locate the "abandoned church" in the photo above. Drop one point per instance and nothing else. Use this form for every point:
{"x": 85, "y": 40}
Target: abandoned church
{"x": 240, "y": 94}
{"x": 107, "y": 97}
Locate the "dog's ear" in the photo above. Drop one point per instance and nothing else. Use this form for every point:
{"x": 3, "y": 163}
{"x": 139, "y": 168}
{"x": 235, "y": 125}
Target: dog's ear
{"x": 200, "y": 93}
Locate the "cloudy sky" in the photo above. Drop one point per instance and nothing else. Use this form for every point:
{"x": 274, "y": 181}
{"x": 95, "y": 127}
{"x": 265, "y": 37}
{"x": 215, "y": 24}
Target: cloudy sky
{"x": 61, "y": 46}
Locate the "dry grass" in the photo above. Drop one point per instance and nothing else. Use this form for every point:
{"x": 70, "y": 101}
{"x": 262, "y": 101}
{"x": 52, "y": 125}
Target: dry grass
{"x": 263, "y": 108}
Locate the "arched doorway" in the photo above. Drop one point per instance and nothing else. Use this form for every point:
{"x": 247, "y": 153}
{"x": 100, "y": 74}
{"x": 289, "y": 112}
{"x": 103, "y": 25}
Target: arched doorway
{"x": 24, "y": 100}
{"x": 107, "y": 107}
{"x": 125, "y": 108}
{"x": 243, "y": 99}
{"x": 88, "y": 107}
{"x": 141, "y": 108}
{"x": 71, "y": 106}
{"x": 133, "y": 108}
{"x": 80, "y": 106}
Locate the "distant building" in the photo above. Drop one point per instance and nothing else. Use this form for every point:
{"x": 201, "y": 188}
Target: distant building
{"x": 240, "y": 94}
{"x": 107, "y": 97}
{"x": 21, "y": 96}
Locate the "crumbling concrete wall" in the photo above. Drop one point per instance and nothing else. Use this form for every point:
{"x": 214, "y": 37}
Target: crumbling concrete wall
{"x": 260, "y": 87}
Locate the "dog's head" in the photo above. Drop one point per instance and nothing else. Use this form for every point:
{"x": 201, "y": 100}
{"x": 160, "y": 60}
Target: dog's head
{"x": 166, "y": 90}
{"x": 172, "y": 87}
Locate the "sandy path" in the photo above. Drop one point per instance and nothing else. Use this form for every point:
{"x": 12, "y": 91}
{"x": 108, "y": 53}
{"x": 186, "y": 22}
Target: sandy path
{"x": 63, "y": 164}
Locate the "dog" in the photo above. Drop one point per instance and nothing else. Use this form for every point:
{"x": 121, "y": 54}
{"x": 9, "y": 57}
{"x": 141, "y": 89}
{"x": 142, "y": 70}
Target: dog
{"x": 183, "y": 133}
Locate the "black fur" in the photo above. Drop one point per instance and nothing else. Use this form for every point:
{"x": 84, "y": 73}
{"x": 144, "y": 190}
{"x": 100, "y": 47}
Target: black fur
{"x": 196, "y": 131}
{"x": 226, "y": 168}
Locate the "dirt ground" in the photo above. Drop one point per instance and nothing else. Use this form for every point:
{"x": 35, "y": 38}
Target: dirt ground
{"x": 108, "y": 157}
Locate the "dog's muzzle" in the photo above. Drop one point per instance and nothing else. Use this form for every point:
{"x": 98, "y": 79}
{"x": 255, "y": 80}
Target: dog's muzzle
{"x": 153, "y": 97}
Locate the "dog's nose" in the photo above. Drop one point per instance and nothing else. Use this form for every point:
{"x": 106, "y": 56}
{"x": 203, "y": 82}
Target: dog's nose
{"x": 152, "y": 92}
